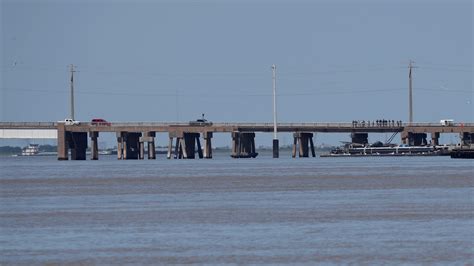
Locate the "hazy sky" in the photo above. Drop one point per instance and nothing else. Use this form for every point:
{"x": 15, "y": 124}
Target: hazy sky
{"x": 173, "y": 60}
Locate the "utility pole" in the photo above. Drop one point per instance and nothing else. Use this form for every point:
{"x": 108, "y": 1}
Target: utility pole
{"x": 410, "y": 93}
{"x": 275, "y": 136}
{"x": 72, "y": 91}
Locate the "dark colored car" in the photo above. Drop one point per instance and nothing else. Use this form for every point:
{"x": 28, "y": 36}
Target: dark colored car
{"x": 200, "y": 122}
{"x": 100, "y": 122}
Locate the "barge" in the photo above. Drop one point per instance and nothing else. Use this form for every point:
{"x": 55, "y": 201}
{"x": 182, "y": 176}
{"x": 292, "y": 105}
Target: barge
{"x": 389, "y": 150}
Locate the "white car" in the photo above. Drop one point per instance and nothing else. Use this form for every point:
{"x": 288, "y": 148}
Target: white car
{"x": 69, "y": 122}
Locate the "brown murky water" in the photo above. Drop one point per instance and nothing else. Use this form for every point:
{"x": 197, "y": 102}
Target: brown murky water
{"x": 323, "y": 210}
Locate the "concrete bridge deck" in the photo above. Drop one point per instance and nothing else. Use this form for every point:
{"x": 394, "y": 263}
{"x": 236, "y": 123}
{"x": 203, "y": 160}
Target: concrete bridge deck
{"x": 329, "y": 127}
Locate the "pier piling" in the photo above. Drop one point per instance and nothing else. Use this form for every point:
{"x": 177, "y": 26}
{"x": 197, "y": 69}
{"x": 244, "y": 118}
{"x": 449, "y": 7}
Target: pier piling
{"x": 243, "y": 145}
{"x": 94, "y": 145}
{"x": 303, "y": 142}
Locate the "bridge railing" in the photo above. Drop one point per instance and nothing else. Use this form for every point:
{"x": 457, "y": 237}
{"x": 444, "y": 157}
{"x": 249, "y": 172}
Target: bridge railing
{"x": 125, "y": 124}
{"x": 27, "y": 124}
{"x": 458, "y": 124}
{"x": 319, "y": 124}
{"x": 229, "y": 124}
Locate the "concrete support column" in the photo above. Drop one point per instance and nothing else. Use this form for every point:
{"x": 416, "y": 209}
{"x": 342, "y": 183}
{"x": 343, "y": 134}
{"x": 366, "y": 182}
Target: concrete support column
{"x": 191, "y": 145}
{"x": 235, "y": 145}
{"x": 417, "y": 139}
{"x": 243, "y": 145}
{"x": 303, "y": 141}
{"x": 360, "y": 138}
{"x": 180, "y": 145}
{"x": 62, "y": 142}
{"x": 189, "y": 148}
{"x": 175, "y": 154}
{"x": 207, "y": 136}
{"x": 295, "y": 146}
{"x": 151, "y": 145}
{"x": 276, "y": 148}
{"x": 149, "y": 138}
{"x": 78, "y": 145}
{"x": 170, "y": 148}
{"x": 199, "y": 149}
{"x": 435, "y": 138}
{"x": 404, "y": 138}
{"x": 467, "y": 138}
{"x": 304, "y": 151}
{"x": 120, "y": 146}
{"x": 128, "y": 146}
{"x": 94, "y": 145}
{"x": 132, "y": 145}
{"x": 185, "y": 147}
{"x": 311, "y": 146}
{"x": 141, "y": 148}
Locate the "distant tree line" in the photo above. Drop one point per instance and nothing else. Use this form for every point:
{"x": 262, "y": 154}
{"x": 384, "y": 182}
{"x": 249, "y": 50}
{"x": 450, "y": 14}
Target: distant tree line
{"x": 9, "y": 150}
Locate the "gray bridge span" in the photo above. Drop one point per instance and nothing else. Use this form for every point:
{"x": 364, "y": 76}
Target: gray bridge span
{"x": 132, "y": 136}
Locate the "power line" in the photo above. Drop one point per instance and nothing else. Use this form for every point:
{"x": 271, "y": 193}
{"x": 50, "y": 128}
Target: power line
{"x": 303, "y": 92}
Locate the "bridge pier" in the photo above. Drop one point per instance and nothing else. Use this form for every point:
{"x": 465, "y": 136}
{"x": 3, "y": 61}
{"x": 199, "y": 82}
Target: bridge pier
{"x": 62, "y": 143}
{"x": 435, "y": 138}
{"x": 243, "y": 145}
{"x": 119, "y": 145}
{"x": 128, "y": 145}
{"x": 185, "y": 147}
{"x": 77, "y": 142}
{"x": 149, "y": 138}
{"x": 467, "y": 138}
{"x": 276, "y": 149}
{"x": 207, "y": 136}
{"x": 303, "y": 141}
{"x": 360, "y": 138}
{"x": 94, "y": 145}
{"x": 151, "y": 145}
{"x": 414, "y": 139}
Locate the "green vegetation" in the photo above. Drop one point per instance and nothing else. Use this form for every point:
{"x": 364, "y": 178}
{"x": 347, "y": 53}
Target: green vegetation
{"x": 47, "y": 148}
{"x": 9, "y": 150}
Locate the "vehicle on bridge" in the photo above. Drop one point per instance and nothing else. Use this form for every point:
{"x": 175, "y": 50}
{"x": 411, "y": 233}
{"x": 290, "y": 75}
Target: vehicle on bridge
{"x": 200, "y": 122}
{"x": 447, "y": 122}
{"x": 100, "y": 122}
{"x": 69, "y": 122}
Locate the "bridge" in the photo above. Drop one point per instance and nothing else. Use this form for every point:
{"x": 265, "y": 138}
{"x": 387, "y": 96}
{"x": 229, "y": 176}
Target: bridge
{"x": 132, "y": 136}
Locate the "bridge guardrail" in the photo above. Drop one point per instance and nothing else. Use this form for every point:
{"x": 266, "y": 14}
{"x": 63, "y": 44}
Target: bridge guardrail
{"x": 229, "y": 124}
{"x": 28, "y": 124}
